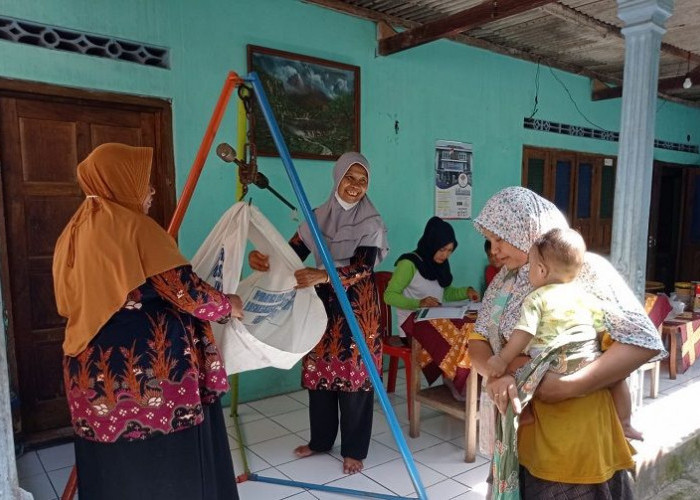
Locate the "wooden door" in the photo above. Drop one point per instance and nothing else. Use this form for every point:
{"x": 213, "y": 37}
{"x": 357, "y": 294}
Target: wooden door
{"x": 689, "y": 255}
{"x": 42, "y": 139}
{"x": 586, "y": 199}
{"x": 564, "y": 181}
{"x": 654, "y": 207}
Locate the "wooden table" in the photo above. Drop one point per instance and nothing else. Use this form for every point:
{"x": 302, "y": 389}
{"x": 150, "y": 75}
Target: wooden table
{"x": 439, "y": 397}
{"x": 683, "y": 331}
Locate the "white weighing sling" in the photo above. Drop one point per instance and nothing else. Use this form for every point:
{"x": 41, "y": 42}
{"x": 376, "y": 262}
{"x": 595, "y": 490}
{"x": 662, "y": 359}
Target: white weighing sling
{"x": 281, "y": 324}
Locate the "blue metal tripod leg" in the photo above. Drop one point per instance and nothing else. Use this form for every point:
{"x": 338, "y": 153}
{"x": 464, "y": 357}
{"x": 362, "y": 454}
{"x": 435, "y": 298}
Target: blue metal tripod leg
{"x": 253, "y": 79}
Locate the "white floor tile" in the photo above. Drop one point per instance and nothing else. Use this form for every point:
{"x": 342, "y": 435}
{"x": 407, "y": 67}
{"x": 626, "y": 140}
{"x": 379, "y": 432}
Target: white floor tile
{"x": 276, "y": 405}
{"x": 39, "y": 486}
{"x": 394, "y": 476}
{"x": 245, "y": 414}
{"x": 320, "y": 469}
{"x": 301, "y": 396}
{"x": 255, "y": 463}
{"x": 29, "y": 465}
{"x": 295, "y": 421}
{"x": 379, "y": 423}
{"x": 260, "y": 430}
{"x": 357, "y": 482}
{"x": 475, "y": 478}
{"x": 400, "y": 410}
{"x": 425, "y": 440}
{"x": 471, "y": 495}
{"x": 259, "y": 490}
{"x": 59, "y": 479}
{"x": 443, "y": 426}
{"x": 303, "y": 496}
{"x": 57, "y": 457}
{"x": 445, "y": 490}
{"x": 447, "y": 459}
{"x": 279, "y": 450}
{"x": 377, "y": 454}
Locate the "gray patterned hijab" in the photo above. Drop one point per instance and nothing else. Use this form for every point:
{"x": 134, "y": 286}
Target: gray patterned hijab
{"x": 519, "y": 216}
{"x": 345, "y": 230}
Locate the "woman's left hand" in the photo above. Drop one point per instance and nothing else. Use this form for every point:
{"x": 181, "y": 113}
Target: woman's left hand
{"x": 236, "y": 305}
{"x": 473, "y": 295}
{"x": 502, "y": 390}
{"x": 310, "y": 276}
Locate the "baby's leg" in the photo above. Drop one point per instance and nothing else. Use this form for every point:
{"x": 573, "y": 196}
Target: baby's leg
{"x": 623, "y": 406}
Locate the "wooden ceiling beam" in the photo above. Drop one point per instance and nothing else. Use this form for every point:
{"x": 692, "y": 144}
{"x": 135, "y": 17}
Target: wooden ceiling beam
{"x": 371, "y": 15}
{"x": 483, "y": 13}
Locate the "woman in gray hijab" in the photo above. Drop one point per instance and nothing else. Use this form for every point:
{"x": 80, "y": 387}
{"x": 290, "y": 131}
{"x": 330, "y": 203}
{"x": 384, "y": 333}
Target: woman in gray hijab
{"x": 333, "y": 371}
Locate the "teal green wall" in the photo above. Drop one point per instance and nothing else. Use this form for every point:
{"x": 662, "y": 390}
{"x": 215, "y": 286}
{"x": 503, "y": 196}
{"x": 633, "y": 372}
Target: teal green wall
{"x": 442, "y": 90}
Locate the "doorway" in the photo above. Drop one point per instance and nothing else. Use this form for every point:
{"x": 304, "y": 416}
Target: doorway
{"x": 45, "y": 131}
{"x": 674, "y": 225}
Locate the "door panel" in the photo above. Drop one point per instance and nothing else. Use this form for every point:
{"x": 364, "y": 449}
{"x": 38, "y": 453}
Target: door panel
{"x": 41, "y": 143}
{"x": 690, "y": 248}
{"x": 581, "y": 185}
{"x": 653, "y": 221}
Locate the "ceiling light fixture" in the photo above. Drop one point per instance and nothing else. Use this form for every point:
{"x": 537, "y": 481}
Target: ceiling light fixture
{"x": 687, "y": 83}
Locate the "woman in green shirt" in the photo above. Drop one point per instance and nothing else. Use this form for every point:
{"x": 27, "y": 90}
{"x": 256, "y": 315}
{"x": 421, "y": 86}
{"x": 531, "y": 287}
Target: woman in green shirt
{"x": 422, "y": 278}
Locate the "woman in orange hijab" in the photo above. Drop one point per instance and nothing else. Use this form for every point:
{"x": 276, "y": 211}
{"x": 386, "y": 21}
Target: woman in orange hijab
{"x": 142, "y": 372}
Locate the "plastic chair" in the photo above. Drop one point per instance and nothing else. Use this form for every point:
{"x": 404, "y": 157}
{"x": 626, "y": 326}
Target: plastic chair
{"x": 391, "y": 344}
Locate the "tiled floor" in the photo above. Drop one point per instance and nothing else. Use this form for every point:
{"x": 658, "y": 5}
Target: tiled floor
{"x": 274, "y": 426}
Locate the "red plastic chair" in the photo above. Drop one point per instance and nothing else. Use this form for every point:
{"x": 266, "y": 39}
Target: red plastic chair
{"x": 391, "y": 344}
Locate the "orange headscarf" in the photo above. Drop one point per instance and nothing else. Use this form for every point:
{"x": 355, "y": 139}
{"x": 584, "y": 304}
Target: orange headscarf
{"x": 109, "y": 246}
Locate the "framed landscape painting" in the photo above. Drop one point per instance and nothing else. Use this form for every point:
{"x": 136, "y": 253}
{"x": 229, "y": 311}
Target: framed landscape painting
{"x": 316, "y": 103}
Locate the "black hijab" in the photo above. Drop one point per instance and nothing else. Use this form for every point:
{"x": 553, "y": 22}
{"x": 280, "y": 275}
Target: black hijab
{"x": 436, "y": 235}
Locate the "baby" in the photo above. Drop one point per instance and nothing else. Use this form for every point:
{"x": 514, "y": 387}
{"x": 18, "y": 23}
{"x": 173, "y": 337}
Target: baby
{"x": 559, "y": 306}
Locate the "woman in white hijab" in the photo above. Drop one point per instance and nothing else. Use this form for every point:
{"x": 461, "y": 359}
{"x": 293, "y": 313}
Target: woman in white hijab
{"x": 576, "y": 447}
{"x": 333, "y": 371}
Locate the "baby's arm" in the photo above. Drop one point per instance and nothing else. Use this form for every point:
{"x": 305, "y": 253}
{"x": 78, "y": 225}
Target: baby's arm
{"x": 518, "y": 341}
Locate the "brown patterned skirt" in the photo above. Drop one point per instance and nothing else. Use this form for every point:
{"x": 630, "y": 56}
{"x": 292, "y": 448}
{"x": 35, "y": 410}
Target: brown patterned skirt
{"x": 618, "y": 487}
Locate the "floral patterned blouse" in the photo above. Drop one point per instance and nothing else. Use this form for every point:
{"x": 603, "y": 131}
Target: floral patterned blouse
{"x": 335, "y": 363}
{"x": 153, "y": 365}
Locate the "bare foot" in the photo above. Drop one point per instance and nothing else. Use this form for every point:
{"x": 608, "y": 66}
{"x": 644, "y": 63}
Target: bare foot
{"x": 303, "y": 451}
{"x": 632, "y": 433}
{"x": 352, "y": 466}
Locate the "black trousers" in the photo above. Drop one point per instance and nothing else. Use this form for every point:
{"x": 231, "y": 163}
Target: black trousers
{"x": 192, "y": 464}
{"x": 356, "y": 411}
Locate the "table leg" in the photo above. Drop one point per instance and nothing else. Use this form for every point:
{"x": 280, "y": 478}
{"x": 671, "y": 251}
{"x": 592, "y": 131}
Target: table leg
{"x": 674, "y": 352}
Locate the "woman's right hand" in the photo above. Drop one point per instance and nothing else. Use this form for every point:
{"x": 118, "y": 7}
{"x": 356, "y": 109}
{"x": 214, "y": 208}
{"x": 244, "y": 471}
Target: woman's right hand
{"x": 258, "y": 261}
{"x": 429, "y": 302}
{"x": 502, "y": 390}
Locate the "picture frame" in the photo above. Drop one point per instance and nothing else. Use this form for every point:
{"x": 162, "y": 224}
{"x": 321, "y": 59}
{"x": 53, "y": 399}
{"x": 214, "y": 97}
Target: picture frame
{"x": 316, "y": 103}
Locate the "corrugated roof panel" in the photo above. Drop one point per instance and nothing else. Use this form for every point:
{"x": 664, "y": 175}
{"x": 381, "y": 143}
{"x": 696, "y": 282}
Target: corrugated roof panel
{"x": 572, "y": 33}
